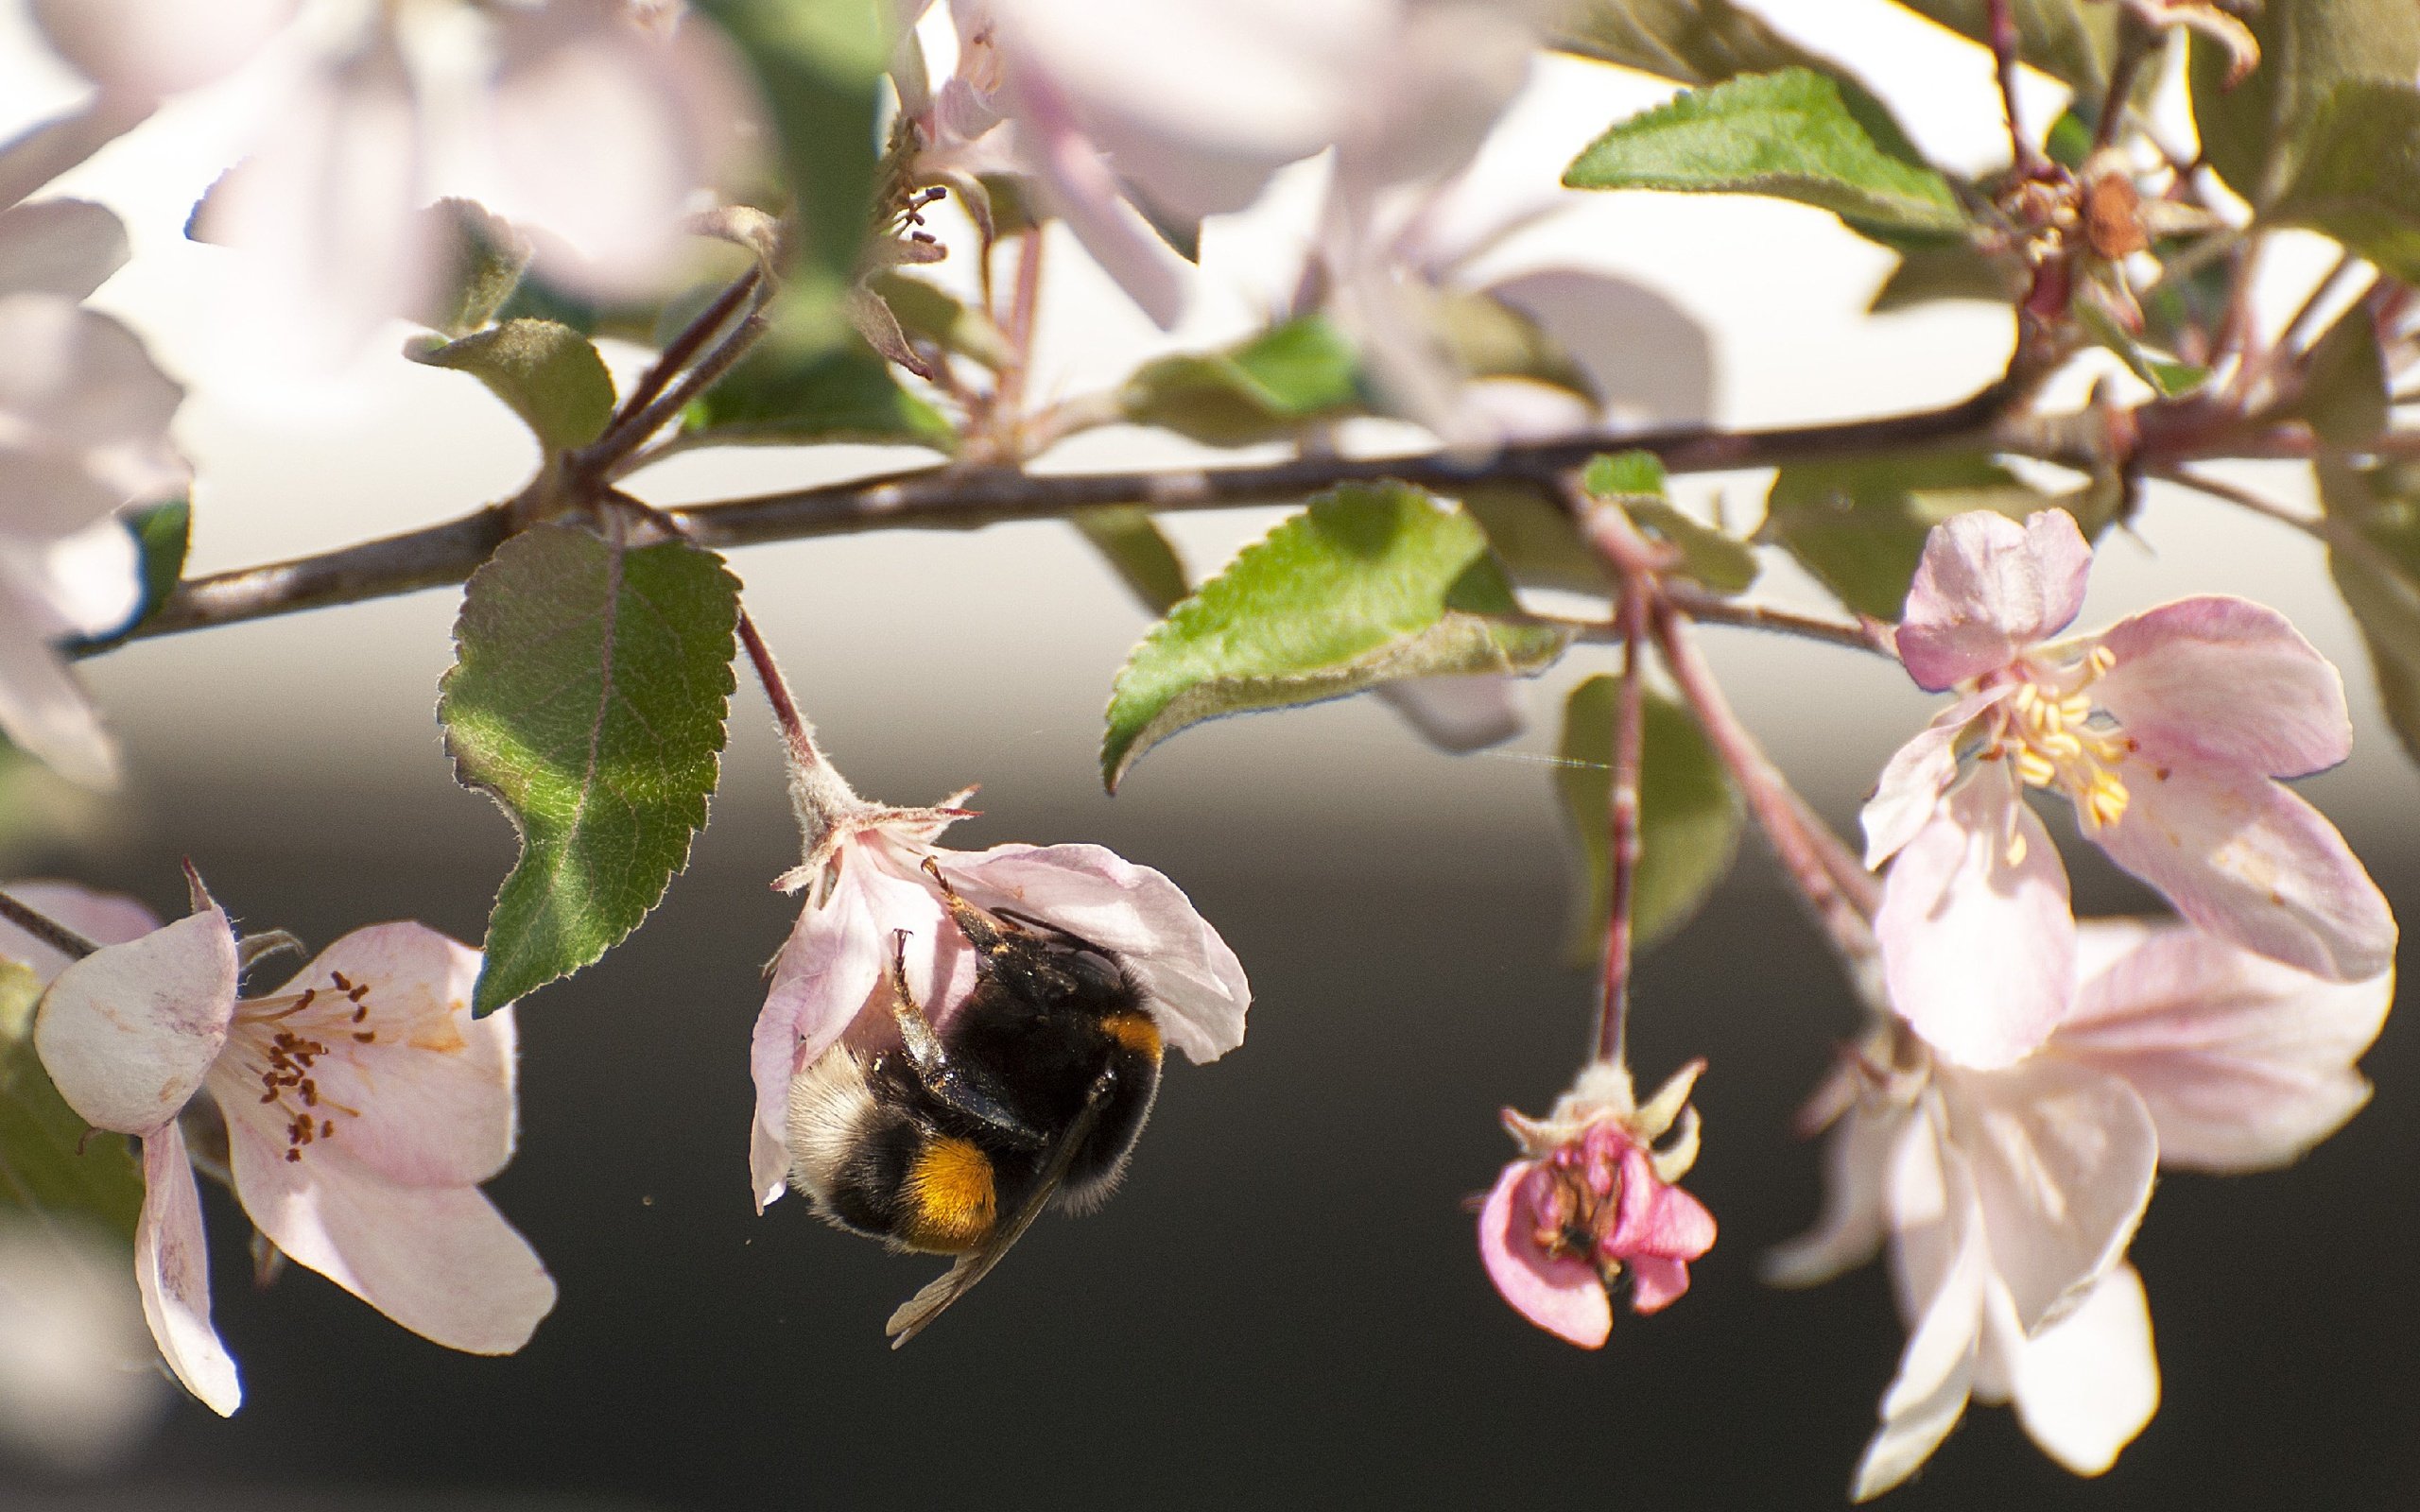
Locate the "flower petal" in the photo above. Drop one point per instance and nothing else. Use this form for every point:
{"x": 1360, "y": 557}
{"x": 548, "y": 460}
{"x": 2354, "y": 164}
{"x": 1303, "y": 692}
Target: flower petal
{"x": 152, "y": 47}
{"x": 2251, "y": 861}
{"x": 2243, "y": 1063}
{"x": 1849, "y": 1229}
{"x": 432, "y": 1092}
{"x": 2062, "y": 1159}
{"x": 103, "y": 918}
{"x": 1987, "y": 588}
{"x": 2086, "y": 1384}
{"x": 128, "y": 1032}
{"x": 2225, "y": 681}
{"x": 84, "y": 415}
{"x": 1087, "y": 195}
{"x": 1916, "y": 775}
{"x": 1195, "y": 986}
{"x": 44, "y": 708}
{"x": 1458, "y": 712}
{"x": 1941, "y": 1264}
{"x": 1559, "y": 1294}
{"x": 440, "y": 1260}
{"x": 90, "y": 581}
{"x": 826, "y": 969}
{"x": 1658, "y": 1219}
{"x": 64, "y": 247}
{"x": 1977, "y": 951}
{"x": 172, "y": 1271}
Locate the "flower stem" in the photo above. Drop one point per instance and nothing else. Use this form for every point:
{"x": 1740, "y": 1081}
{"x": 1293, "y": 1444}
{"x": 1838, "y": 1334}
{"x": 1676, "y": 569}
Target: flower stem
{"x": 818, "y": 791}
{"x": 1621, "y": 823}
{"x": 45, "y": 929}
{"x": 1841, "y": 895}
{"x": 2002, "y": 26}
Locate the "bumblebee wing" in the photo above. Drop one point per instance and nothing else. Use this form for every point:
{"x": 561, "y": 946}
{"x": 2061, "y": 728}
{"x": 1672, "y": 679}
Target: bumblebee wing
{"x": 917, "y": 1313}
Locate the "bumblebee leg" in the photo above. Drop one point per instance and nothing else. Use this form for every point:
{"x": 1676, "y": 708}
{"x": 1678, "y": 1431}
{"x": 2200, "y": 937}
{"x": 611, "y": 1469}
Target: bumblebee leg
{"x": 951, "y": 1083}
{"x": 987, "y": 932}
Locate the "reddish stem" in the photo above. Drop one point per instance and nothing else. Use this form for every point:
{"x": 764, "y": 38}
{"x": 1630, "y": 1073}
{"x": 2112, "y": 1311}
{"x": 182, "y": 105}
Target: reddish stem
{"x": 1622, "y": 838}
{"x": 2002, "y": 26}
{"x": 795, "y": 729}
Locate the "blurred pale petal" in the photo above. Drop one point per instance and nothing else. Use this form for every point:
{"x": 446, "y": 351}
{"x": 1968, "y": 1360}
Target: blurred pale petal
{"x": 128, "y": 1032}
{"x": 1977, "y": 948}
{"x": 1916, "y": 775}
{"x": 84, "y": 418}
{"x": 77, "y": 1387}
{"x": 103, "y": 918}
{"x": 1606, "y": 323}
{"x": 2225, "y": 681}
{"x": 1940, "y": 1266}
{"x": 1458, "y": 714}
{"x": 66, "y": 248}
{"x": 2086, "y": 1384}
{"x": 172, "y": 1273}
{"x": 2252, "y": 861}
{"x": 152, "y": 47}
{"x": 1987, "y": 590}
{"x": 2244, "y": 1063}
{"x": 43, "y": 709}
{"x": 1850, "y": 1229}
{"x": 2062, "y": 1159}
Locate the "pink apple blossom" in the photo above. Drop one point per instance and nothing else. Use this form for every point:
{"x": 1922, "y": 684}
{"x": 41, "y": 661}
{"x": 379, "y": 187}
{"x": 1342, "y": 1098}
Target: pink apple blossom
{"x": 363, "y": 1107}
{"x": 2008, "y": 1196}
{"x": 2166, "y": 732}
{"x": 1592, "y": 1204}
{"x": 84, "y": 418}
{"x": 864, "y": 880}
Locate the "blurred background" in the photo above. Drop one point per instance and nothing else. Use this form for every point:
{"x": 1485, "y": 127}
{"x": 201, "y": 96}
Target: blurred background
{"x": 1284, "y": 1302}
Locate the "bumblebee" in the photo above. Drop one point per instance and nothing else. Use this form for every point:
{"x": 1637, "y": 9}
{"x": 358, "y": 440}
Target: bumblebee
{"x": 953, "y": 1142}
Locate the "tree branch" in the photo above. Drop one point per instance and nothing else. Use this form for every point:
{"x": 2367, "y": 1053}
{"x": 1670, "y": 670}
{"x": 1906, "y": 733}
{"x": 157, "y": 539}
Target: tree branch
{"x": 963, "y": 498}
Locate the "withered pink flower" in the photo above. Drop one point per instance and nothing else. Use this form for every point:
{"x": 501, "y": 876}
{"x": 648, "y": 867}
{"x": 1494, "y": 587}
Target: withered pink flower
{"x": 2009, "y": 1195}
{"x": 2167, "y": 731}
{"x": 864, "y": 881}
{"x": 1592, "y": 1206}
{"x": 363, "y": 1108}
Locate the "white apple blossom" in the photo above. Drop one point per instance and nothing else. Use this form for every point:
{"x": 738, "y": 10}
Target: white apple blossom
{"x": 363, "y": 1107}
{"x": 84, "y": 418}
{"x": 2008, "y": 1196}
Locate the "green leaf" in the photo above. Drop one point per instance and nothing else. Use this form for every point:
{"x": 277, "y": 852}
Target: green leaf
{"x": 1859, "y": 527}
{"x": 50, "y": 1161}
{"x": 1489, "y": 338}
{"x": 1635, "y": 482}
{"x": 820, "y": 66}
{"x": 1536, "y": 540}
{"x": 588, "y": 698}
{"x": 1688, "y": 815}
{"x": 483, "y": 259}
{"x": 923, "y": 309}
{"x": 2068, "y": 143}
{"x": 1792, "y": 135}
{"x": 1949, "y": 270}
{"x": 1697, "y": 41}
{"x": 2345, "y": 382}
{"x": 2358, "y": 175}
{"x": 1267, "y": 388}
{"x": 1144, "y": 558}
{"x": 549, "y": 374}
{"x": 2255, "y": 134}
{"x": 2378, "y": 570}
{"x": 1372, "y": 583}
{"x": 2168, "y": 377}
{"x": 2072, "y": 41}
{"x": 785, "y": 394}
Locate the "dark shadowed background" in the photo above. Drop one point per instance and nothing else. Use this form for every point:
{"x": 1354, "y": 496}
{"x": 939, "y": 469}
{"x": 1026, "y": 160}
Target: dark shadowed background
{"x": 1285, "y": 1304}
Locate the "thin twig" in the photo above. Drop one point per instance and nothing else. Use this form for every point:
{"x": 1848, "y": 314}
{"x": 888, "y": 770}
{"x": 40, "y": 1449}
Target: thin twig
{"x": 1711, "y": 610}
{"x": 45, "y": 929}
{"x": 702, "y": 376}
{"x": 620, "y": 439}
{"x": 963, "y": 498}
{"x": 2002, "y": 26}
{"x": 1623, "y": 848}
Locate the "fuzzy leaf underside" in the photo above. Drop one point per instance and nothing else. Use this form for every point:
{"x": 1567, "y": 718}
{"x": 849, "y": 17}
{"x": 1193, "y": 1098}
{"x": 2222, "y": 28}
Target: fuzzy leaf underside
{"x": 588, "y": 698}
{"x": 2378, "y": 576}
{"x": 2358, "y": 178}
{"x": 1696, "y": 42}
{"x": 1131, "y": 542}
{"x": 1793, "y": 135}
{"x": 1688, "y": 815}
{"x": 2257, "y": 132}
{"x": 1370, "y": 584}
{"x": 50, "y": 1161}
{"x": 547, "y": 373}
{"x": 1266, "y": 388}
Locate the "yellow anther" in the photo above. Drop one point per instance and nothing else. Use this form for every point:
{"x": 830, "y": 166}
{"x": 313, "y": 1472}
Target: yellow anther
{"x": 2034, "y": 768}
{"x": 2016, "y": 850}
{"x": 2076, "y": 708}
{"x": 2100, "y": 659}
{"x": 2104, "y": 801}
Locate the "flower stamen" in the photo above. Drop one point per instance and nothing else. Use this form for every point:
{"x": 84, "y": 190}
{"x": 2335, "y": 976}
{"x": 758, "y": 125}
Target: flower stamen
{"x": 2054, "y": 736}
